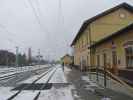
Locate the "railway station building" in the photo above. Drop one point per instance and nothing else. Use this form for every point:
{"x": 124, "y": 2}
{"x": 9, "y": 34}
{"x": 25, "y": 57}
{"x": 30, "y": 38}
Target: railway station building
{"x": 98, "y": 28}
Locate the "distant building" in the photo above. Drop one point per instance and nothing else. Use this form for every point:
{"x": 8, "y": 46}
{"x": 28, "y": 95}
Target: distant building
{"x": 7, "y": 58}
{"x": 97, "y": 28}
{"x": 67, "y": 59}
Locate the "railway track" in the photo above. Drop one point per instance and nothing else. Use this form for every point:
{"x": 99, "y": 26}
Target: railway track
{"x": 43, "y": 75}
{"x": 38, "y": 94}
{"x": 5, "y": 77}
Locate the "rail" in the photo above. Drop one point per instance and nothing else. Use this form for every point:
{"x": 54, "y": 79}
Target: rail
{"x": 15, "y": 95}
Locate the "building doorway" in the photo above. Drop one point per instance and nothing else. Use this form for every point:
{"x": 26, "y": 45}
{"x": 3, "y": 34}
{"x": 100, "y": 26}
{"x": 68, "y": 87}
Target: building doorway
{"x": 104, "y": 59}
{"x": 114, "y": 62}
{"x": 98, "y": 60}
{"x": 105, "y": 68}
{"x": 97, "y": 67}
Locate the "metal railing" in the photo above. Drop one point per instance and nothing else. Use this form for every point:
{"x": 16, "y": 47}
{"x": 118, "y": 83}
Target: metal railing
{"x": 106, "y": 74}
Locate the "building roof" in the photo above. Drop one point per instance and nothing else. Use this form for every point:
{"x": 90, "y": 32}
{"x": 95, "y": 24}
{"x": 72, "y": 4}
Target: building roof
{"x": 87, "y": 22}
{"x": 118, "y": 33}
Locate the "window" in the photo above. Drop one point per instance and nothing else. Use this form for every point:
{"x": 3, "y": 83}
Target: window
{"x": 98, "y": 60}
{"x": 104, "y": 59}
{"x": 129, "y": 56}
{"x": 114, "y": 58}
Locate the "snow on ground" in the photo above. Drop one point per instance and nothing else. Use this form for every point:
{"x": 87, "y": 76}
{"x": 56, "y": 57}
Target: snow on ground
{"x": 46, "y": 77}
{"x": 26, "y": 95}
{"x": 56, "y": 94}
{"x": 9, "y": 71}
{"x": 30, "y": 80}
{"x": 5, "y": 92}
{"x": 58, "y": 77}
{"x": 30, "y": 95}
{"x": 91, "y": 83}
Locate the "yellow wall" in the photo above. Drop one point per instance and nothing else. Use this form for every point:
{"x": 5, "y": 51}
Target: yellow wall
{"x": 110, "y": 23}
{"x": 120, "y": 50}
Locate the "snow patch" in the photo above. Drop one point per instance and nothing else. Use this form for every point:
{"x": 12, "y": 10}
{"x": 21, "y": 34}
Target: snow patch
{"x": 56, "y": 94}
{"x": 5, "y": 92}
{"x": 58, "y": 77}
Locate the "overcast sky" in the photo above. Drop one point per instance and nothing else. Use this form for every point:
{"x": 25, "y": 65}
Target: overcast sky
{"x": 48, "y": 25}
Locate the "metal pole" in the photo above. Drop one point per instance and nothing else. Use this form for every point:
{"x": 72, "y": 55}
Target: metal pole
{"x": 97, "y": 78}
{"x": 17, "y": 59}
{"x": 39, "y": 57}
{"x": 90, "y": 52}
{"x": 105, "y": 78}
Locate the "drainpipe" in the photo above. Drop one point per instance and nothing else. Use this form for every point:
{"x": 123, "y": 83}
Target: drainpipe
{"x": 90, "y": 42}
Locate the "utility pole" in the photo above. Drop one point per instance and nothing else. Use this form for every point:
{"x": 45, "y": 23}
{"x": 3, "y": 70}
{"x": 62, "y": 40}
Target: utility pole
{"x": 39, "y": 57}
{"x": 29, "y": 56}
{"x": 17, "y": 59}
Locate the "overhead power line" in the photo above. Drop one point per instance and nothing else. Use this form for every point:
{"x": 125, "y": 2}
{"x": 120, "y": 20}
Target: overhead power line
{"x": 37, "y": 17}
{"x": 9, "y": 38}
{"x": 40, "y": 14}
{"x": 61, "y": 17}
{"x": 5, "y": 29}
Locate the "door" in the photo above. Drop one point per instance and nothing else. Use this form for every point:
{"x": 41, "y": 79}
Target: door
{"x": 98, "y": 61}
{"x": 105, "y": 68}
{"x": 104, "y": 59}
{"x": 97, "y": 67}
{"x": 114, "y": 62}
